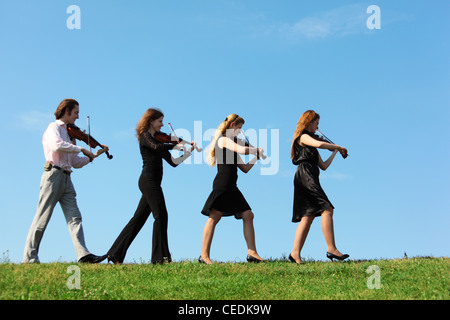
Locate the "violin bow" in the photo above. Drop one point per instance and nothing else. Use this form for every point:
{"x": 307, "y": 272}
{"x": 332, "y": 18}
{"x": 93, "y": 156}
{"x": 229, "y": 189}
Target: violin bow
{"x": 263, "y": 156}
{"x": 325, "y": 137}
{"x": 89, "y": 132}
{"x": 329, "y": 140}
{"x": 173, "y": 131}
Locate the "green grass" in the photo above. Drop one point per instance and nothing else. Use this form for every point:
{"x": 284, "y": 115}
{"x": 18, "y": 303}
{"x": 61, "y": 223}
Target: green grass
{"x": 414, "y": 278}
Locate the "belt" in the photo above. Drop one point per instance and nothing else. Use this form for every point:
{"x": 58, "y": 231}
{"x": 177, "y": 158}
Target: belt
{"x": 303, "y": 161}
{"x": 48, "y": 166}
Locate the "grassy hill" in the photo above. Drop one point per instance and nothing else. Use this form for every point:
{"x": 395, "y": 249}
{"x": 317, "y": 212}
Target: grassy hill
{"x": 414, "y": 278}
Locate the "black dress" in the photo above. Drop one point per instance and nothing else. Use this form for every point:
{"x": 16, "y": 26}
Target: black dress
{"x": 309, "y": 197}
{"x": 152, "y": 201}
{"x": 225, "y": 196}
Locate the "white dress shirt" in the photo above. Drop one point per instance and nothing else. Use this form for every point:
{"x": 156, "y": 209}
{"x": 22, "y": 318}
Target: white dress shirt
{"x": 59, "y": 149}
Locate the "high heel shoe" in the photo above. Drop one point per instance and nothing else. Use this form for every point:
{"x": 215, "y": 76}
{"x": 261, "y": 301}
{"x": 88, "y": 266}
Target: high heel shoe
{"x": 201, "y": 260}
{"x": 291, "y": 258}
{"x": 253, "y": 259}
{"x": 333, "y": 256}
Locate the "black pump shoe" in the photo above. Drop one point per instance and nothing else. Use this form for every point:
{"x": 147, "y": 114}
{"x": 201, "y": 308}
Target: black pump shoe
{"x": 291, "y": 258}
{"x": 333, "y": 256}
{"x": 203, "y": 261}
{"x": 253, "y": 259}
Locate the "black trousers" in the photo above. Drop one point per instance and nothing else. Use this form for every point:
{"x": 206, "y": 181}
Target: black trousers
{"x": 152, "y": 201}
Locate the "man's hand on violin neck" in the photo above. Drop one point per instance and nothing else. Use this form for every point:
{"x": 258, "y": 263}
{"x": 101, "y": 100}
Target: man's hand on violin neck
{"x": 104, "y": 149}
{"x": 88, "y": 154}
{"x": 91, "y": 155}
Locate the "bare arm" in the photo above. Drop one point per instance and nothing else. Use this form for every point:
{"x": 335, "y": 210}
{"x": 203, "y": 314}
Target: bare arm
{"x": 225, "y": 142}
{"x": 245, "y": 167}
{"x": 325, "y": 164}
{"x": 309, "y": 141}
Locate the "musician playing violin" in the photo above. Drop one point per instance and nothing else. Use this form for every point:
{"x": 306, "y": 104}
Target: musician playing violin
{"x": 61, "y": 155}
{"x": 152, "y": 199}
{"x": 226, "y": 199}
{"x": 310, "y": 200}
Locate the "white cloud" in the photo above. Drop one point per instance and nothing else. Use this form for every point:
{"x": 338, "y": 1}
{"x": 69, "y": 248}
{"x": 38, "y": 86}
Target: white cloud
{"x": 342, "y": 21}
{"x": 337, "y": 22}
{"x": 33, "y": 120}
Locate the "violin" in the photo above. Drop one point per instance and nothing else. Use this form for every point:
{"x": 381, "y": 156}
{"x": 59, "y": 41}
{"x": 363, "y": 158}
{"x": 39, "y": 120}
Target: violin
{"x": 324, "y": 138}
{"x": 247, "y": 144}
{"x": 168, "y": 138}
{"x": 76, "y": 133}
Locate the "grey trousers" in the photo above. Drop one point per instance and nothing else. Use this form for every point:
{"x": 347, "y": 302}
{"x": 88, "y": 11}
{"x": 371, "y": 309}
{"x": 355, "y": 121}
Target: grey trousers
{"x": 56, "y": 186}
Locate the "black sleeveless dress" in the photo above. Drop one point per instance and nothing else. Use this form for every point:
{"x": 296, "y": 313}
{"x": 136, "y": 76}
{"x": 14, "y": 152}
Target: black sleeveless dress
{"x": 225, "y": 196}
{"x": 309, "y": 197}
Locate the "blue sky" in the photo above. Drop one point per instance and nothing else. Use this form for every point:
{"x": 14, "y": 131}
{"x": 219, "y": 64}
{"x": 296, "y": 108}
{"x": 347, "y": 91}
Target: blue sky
{"x": 382, "y": 93}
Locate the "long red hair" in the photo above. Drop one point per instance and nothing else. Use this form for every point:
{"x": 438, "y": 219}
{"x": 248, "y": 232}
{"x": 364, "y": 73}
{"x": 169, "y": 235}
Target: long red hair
{"x": 149, "y": 115}
{"x": 306, "y": 118}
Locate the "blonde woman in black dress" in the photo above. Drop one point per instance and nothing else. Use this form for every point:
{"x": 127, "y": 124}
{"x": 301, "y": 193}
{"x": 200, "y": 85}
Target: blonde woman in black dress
{"x": 226, "y": 199}
{"x": 310, "y": 200}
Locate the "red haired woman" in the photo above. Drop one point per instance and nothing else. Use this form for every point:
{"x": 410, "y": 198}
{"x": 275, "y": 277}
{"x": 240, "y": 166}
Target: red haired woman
{"x": 310, "y": 200}
{"x": 152, "y": 200}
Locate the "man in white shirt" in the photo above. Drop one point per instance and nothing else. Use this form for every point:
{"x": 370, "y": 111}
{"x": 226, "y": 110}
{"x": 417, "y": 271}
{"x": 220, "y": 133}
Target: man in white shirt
{"x": 61, "y": 154}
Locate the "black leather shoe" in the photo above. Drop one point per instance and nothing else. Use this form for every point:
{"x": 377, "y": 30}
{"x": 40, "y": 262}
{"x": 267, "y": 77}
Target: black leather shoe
{"x": 91, "y": 258}
{"x": 333, "y": 256}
